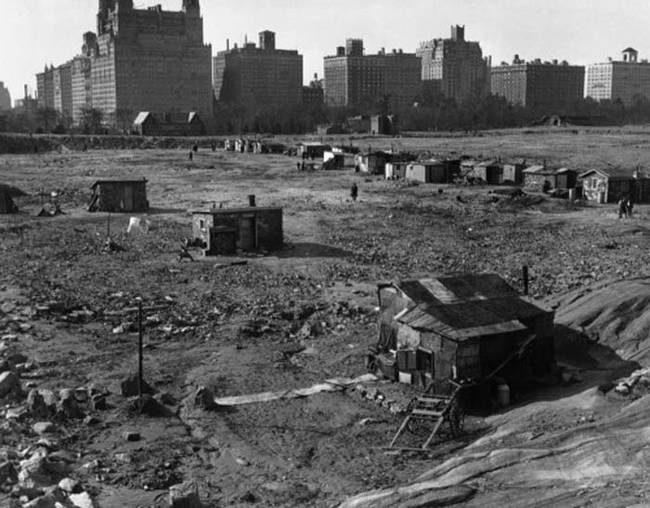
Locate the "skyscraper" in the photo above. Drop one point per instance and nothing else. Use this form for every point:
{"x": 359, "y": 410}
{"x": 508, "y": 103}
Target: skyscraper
{"x": 455, "y": 66}
{"x": 624, "y": 79}
{"x": 149, "y": 60}
{"x": 258, "y": 75}
{"x": 386, "y": 79}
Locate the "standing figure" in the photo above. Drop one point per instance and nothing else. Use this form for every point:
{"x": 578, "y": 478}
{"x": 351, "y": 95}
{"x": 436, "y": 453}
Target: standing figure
{"x": 354, "y": 192}
{"x": 622, "y": 207}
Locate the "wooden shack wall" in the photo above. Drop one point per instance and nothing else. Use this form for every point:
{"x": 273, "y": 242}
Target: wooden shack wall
{"x": 593, "y": 186}
{"x": 536, "y": 181}
{"x": 268, "y": 226}
{"x": 512, "y": 173}
{"x": 112, "y": 197}
{"x": 468, "y": 359}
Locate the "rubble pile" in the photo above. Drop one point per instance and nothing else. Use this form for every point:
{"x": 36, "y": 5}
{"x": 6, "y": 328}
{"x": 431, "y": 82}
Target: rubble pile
{"x": 636, "y": 385}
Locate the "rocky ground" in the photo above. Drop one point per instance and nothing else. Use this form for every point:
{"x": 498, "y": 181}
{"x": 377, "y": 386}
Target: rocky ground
{"x": 73, "y": 430}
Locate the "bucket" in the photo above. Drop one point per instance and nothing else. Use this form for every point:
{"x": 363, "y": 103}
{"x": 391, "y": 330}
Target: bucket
{"x": 503, "y": 395}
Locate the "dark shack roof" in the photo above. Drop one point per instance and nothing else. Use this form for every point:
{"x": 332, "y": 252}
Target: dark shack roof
{"x": 125, "y": 181}
{"x": 226, "y": 211}
{"x": 9, "y": 190}
{"x": 466, "y": 305}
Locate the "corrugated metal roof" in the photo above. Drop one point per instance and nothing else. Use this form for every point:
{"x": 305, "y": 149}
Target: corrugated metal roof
{"x": 466, "y": 305}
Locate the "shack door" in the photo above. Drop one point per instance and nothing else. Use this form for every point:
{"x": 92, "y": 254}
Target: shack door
{"x": 248, "y": 234}
{"x": 128, "y": 198}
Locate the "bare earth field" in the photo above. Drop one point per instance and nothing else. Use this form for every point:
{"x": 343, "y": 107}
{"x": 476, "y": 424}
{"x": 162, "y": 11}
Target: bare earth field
{"x": 298, "y": 317}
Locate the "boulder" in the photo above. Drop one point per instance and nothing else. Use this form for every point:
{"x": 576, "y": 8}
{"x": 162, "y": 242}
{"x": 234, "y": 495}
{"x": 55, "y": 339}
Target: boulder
{"x": 9, "y": 383}
{"x": 41, "y": 471}
{"x": 8, "y": 473}
{"x": 41, "y": 403}
{"x": 82, "y": 500}
{"x": 68, "y": 405}
{"x": 149, "y": 406}
{"x": 184, "y": 495}
{"x": 204, "y": 398}
{"x": 43, "y": 427}
{"x": 69, "y": 485}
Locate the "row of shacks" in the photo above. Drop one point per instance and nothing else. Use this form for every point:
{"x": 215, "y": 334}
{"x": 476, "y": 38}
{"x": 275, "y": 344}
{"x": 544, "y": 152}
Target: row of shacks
{"x": 601, "y": 185}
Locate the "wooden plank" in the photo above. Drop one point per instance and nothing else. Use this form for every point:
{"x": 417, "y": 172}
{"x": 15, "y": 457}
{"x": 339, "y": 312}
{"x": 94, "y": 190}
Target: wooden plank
{"x": 433, "y": 433}
{"x": 437, "y": 398}
{"x": 401, "y": 429}
{"x": 426, "y": 412}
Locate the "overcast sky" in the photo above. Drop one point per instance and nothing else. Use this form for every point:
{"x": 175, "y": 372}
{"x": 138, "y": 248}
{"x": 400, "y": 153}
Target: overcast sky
{"x": 36, "y": 32}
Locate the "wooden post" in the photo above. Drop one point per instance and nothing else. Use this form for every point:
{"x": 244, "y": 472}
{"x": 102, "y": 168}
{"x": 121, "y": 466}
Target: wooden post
{"x": 524, "y": 271}
{"x": 108, "y": 226}
{"x": 140, "y": 362}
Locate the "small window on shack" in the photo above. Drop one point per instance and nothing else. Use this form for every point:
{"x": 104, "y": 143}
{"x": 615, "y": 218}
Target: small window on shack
{"x": 202, "y": 223}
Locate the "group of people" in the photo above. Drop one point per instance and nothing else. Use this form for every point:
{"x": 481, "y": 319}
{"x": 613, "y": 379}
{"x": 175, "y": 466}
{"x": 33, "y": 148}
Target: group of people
{"x": 625, "y": 207}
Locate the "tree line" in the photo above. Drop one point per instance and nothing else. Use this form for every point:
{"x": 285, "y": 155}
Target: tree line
{"x": 429, "y": 112}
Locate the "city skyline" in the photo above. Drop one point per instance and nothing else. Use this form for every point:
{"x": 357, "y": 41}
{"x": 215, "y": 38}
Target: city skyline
{"x": 564, "y": 30}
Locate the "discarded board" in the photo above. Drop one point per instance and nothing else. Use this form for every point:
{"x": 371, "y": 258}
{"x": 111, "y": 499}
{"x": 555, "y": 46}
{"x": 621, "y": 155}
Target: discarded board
{"x": 329, "y": 385}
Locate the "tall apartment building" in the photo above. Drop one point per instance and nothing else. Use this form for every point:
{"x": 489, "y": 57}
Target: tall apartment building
{"x": 45, "y": 87}
{"x": 354, "y": 79}
{"x": 81, "y": 83}
{"x": 619, "y": 80}
{"x": 547, "y": 86}
{"x": 455, "y": 66}
{"x": 5, "y": 97}
{"x": 54, "y": 87}
{"x": 149, "y": 60}
{"x": 62, "y": 82}
{"x": 258, "y": 75}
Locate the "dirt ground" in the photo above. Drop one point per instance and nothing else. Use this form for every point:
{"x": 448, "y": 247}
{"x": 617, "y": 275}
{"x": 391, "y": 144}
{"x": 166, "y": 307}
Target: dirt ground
{"x": 277, "y": 322}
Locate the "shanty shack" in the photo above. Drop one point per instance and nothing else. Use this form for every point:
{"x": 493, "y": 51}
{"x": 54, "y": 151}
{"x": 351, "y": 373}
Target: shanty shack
{"x": 312, "y": 150}
{"x": 7, "y": 195}
{"x": 513, "y": 172}
{"x": 268, "y": 147}
{"x": 542, "y": 177}
{"x": 490, "y": 172}
{"x": 223, "y": 231}
{"x": 119, "y": 196}
{"x": 168, "y": 124}
{"x": 333, "y": 160}
{"x": 610, "y": 184}
{"x": 428, "y": 171}
{"x": 373, "y": 162}
{"x": 464, "y": 326}
{"x": 395, "y": 170}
